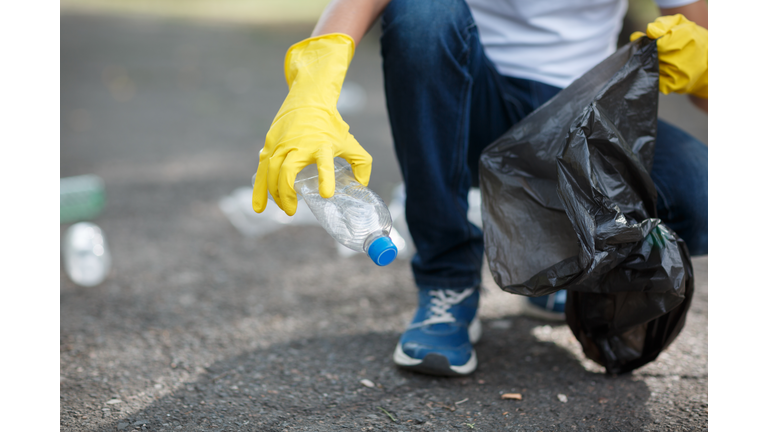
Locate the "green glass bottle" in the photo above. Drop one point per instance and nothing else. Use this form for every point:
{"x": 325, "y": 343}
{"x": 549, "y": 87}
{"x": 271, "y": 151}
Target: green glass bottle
{"x": 82, "y": 198}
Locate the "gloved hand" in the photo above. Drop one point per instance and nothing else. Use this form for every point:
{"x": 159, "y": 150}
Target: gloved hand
{"x": 682, "y": 49}
{"x": 308, "y": 129}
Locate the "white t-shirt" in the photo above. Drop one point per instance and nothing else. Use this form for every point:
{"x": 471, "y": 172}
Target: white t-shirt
{"x": 552, "y": 41}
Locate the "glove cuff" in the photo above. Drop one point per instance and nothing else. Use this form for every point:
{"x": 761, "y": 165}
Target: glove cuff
{"x": 326, "y": 56}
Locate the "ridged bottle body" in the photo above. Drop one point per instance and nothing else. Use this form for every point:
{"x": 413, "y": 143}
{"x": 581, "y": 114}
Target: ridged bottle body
{"x": 355, "y": 216}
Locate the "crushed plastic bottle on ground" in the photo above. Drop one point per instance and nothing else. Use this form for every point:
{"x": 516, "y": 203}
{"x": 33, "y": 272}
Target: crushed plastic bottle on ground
{"x": 85, "y": 253}
{"x": 238, "y": 207}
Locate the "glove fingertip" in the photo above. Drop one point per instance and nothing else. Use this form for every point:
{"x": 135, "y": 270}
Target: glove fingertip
{"x": 362, "y": 173}
{"x": 327, "y": 188}
{"x": 702, "y": 93}
{"x": 363, "y": 180}
{"x": 327, "y": 174}
{"x": 288, "y": 203}
{"x": 636, "y": 35}
{"x": 290, "y": 209}
{"x": 258, "y": 207}
{"x": 259, "y": 199}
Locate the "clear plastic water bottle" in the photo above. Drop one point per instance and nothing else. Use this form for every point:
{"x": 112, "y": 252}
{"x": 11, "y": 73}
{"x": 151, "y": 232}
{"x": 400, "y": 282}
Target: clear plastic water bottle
{"x": 355, "y": 216}
{"x": 86, "y": 256}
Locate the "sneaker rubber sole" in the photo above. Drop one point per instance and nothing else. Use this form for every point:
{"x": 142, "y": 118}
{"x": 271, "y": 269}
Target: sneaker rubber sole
{"x": 436, "y": 364}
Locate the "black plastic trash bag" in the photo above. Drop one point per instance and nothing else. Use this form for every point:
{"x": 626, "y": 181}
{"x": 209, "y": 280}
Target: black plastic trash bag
{"x": 568, "y": 203}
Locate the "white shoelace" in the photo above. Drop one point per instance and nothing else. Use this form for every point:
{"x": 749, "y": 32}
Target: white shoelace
{"x": 442, "y": 300}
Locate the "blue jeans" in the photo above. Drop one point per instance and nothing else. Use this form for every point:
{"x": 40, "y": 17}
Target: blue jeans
{"x": 447, "y": 102}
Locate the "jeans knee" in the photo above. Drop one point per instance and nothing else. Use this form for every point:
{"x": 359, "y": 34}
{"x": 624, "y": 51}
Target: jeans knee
{"x": 681, "y": 172}
{"x": 414, "y": 28}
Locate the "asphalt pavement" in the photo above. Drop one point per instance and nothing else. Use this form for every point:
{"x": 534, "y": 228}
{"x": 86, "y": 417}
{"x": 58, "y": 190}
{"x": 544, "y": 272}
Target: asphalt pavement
{"x": 201, "y": 328}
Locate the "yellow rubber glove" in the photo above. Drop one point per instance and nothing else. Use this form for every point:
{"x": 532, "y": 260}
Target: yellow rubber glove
{"x": 682, "y": 46}
{"x": 308, "y": 128}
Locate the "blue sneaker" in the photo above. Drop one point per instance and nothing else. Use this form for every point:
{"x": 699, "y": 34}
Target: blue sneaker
{"x": 550, "y": 307}
{"x": 440, "y": 337}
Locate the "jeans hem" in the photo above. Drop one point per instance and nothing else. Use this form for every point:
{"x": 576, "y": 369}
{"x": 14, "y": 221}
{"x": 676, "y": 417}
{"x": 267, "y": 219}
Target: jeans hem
{"x": 452, "y": 284}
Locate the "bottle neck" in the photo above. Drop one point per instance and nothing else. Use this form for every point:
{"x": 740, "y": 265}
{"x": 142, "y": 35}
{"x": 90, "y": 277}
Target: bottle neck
{"x": 372, "y": 237}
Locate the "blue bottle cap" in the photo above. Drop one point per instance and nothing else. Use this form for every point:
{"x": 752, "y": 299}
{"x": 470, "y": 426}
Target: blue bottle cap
{"x": 382, "y": 251}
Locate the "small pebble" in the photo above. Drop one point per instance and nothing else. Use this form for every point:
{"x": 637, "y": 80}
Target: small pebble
{"x": 367, "y": 383}
{"x": 563, "y": 398}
